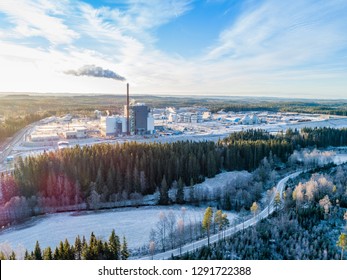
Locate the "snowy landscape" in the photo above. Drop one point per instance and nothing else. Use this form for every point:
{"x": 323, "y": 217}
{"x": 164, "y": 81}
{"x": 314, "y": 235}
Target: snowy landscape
{"x": 134, "y": 223}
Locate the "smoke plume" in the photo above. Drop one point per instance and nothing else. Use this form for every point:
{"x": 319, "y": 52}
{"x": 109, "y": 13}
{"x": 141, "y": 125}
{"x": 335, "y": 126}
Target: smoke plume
{"x": 95, "y": 71}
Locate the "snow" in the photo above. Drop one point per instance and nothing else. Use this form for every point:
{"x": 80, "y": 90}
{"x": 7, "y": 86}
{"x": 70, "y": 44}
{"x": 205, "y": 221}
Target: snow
{"x": 133, "y": 223}
{"x": 340, "y": 158}
{"x": 223, "y": 179}
{"x": 213, "y": 187}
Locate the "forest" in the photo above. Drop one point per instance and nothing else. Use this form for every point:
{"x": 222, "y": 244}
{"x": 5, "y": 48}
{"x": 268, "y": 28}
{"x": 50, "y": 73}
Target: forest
{"x": 310, "y": 224}
{"x": 81, "y": 178}
{"x": 82, "y": 249}
{"x": 13, "y": 124}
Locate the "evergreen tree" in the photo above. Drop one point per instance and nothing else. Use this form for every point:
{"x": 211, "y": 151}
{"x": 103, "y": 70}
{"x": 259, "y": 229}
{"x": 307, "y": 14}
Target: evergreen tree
{"x": 68, "y": 251}
{"x": 78, "y": 248}
{"x": 27, "y": 255}
{"x": 164, "y": 192}
{"x": 56, "y": 254}
{"x": 114, "y": 246}
{"x": 124, "y": 250}
{"x": 37, "y": 252}
{"x": 180, "y": 192}
{"x": 47, "y": 254}
{"x": 12, "y": 256}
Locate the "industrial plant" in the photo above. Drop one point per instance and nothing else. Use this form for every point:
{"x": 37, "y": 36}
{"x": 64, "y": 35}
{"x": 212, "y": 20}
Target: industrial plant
{"x": 136, "y": 120}
{"x": 139, "y": 121}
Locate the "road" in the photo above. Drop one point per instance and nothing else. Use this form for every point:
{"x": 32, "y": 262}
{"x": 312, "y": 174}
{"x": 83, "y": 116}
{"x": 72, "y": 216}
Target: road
{"x": 15, "y": 140}
{"x": 228, "y": 232}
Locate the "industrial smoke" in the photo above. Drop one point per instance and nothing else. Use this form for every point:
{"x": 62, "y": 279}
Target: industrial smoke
{"x": 95, "y": 71}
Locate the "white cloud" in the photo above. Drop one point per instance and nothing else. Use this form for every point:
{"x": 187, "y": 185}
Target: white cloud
{"x": 33, "y": 18}
{"x": 273, "y": 47}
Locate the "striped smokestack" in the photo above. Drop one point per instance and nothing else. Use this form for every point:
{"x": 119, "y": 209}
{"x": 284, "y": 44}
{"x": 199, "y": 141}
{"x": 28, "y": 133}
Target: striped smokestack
{"x": 128, "y": 117}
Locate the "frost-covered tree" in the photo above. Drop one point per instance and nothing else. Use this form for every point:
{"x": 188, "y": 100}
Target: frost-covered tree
{"x": 254, "y": 208}
{"x": 162, "y": 226}
{"x": 277, "y": 200}
{"x": 152, "y": 248}
{"x": 342, "y": 243}
{"x": 207, "y": 222}
{"x": 325, "y": 204}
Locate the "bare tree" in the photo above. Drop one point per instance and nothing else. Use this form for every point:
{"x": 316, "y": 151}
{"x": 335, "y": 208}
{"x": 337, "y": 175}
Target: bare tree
{"x": 207, "y": 222}
{"x": 180, "y": 228}
{"x": 171, "y": 219}
{"x": 342, "y": 243}
{"x": 152, "y": 248}
{"x": 254, "y": 208}
{"x": 162, "y": 227}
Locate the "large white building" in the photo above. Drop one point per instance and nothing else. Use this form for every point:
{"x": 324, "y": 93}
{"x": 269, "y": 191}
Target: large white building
{"x": 249, "y": 120}
{"x": 113, "y": 125}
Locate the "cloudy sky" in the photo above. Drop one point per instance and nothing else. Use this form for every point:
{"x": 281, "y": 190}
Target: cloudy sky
{"x": 294, "y": 48}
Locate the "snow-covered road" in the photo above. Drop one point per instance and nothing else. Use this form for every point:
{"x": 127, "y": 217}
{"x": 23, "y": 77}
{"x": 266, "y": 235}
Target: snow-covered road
{"x": 214, "y": 238}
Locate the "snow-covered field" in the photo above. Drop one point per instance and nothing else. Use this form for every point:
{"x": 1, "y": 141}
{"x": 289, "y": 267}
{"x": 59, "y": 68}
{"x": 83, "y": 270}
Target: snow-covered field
{"x": 133, "y": 223}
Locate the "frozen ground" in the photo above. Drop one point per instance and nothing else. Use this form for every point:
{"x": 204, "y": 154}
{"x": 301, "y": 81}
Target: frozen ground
{"x": 133, "y": 223}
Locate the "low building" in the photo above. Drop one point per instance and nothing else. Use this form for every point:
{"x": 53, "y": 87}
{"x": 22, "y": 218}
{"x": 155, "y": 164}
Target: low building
{"x": 44, "y": 137}
{"x": 113, "y": 125}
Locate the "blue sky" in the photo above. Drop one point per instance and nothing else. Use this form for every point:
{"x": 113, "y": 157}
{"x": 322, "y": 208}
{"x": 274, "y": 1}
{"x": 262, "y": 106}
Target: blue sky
{"x": 189, "y": 47}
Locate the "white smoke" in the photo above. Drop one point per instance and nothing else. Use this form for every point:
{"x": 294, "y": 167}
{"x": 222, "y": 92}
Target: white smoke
{"x": 95, "y": 71}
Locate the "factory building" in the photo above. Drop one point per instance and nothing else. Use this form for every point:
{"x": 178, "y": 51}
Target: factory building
{"x": 76, "y": 133}
{"x": 44, "y": 137}
{"x": 140, "y": 119}
{"x": 113, "y": 125}
{"x": 249, "y": 120}
{"x": 137, "y": 119}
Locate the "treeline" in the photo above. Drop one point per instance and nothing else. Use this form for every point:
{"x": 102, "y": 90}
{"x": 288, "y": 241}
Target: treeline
{"x": 106, "y": 173}
{"x": 11, "y": 125}
{"x": 329, "y": 108}
{"x": 308, "y": 226}
{"x": 82, "y": 249}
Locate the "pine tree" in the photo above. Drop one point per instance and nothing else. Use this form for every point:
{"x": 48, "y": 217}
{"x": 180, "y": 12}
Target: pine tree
{"x": 27, "y": 255}
{"x": 78, "y": 248}
{"x": 69, "y": 253}
{"x": 56, "y": 254}
{"x": 164, "y": 192}
{"x": 37, "y": 252}
{"x": 180, "y": 192}
{"x": 124, "y": 251}
{"x": 47, "y": 254}
{"x": 114, "y": 246}
{"x": 12, "y": 256}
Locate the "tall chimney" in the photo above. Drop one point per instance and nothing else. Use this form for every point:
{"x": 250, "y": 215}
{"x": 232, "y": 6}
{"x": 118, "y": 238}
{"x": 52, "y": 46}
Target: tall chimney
{"x": 128, "y": 117}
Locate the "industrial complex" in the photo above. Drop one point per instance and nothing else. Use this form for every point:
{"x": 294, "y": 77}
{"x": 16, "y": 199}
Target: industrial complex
{"x": 141, "y": 123}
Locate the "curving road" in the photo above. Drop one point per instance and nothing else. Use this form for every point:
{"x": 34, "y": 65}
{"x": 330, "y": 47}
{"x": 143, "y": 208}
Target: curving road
{"x": 228, "y": 232}
{"x": 15, "y": 140}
